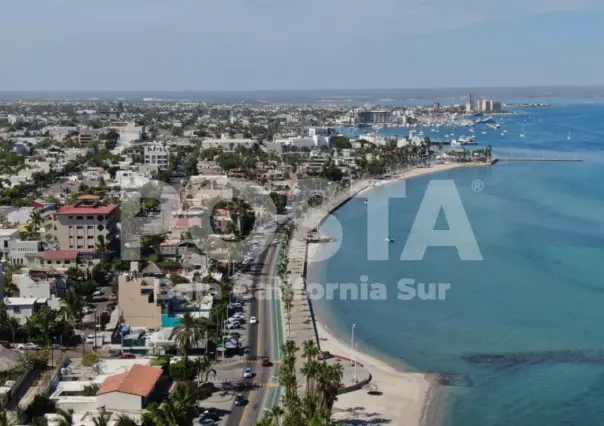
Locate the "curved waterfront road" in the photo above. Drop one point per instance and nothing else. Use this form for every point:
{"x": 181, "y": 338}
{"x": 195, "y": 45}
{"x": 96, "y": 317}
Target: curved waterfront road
{"x": 264, "y": 340}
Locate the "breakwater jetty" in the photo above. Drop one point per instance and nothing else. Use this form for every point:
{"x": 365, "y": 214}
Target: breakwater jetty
{"x": 538, "y": 357}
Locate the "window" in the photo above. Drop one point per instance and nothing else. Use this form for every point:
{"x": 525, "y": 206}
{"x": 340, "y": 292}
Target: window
{"x": 100, "y": 217}
{"x": 67, "y": 262}
{"x": 90, "y": 246}
{"x": 70, "y": 217}
{"x": 6, "y": 244}
{"x": 80, "y": 227}
{"x": 70, "y": 246}
{"x": 89, "y": 217}
{"x": 100, "y": 227}
{"x": 90, "y": 237}
{"x": 79, "y": 217}
{"x": 80, "y": 246}
{"x": 90, "y": 227}
{"x": 80, "y": 237}
{"x": 16, "y": 309}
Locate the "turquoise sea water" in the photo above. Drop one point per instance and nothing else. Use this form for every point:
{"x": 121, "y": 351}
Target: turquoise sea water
{"x": 540, "y": 228}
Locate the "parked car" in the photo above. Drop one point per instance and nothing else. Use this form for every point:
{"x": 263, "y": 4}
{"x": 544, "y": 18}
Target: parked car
{"x": 97, "y": 293}
{"x": 206, "y": 422}
{"x": 90, "y": 341}
{"x": 28, "y": 346}
{"x": 127, "y": 356}
{"x": 253, "y": 320}
{"x": 233, "y": 325}
{"x": 247, "y": 373}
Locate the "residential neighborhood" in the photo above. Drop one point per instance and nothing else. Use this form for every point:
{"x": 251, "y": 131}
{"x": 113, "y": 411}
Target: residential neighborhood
{"x": 134, "y": 234}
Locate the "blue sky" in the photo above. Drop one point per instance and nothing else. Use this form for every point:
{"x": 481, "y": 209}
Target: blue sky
{"x": 311, "y": 44}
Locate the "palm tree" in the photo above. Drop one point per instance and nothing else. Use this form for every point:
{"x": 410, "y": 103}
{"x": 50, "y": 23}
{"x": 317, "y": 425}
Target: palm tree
{"x": 36, "y": 220}
{"x": 309, "y": 350}
{"x": 274, "y": 415}
{"x": 39, "y": 421}
{"x": 101, "y": 248}
{"x": 71, "y": 306}
{"x": 187, "y": 334}
{"x": 10, "y": 288}
{"x": 5, "y": 420}
{"x": 65, "y": 417}
{"x": 311, "y": 371}
{"x": 102, "y": 419}
{"x": 205, "y": 368}
{"x": 125, "y": 420}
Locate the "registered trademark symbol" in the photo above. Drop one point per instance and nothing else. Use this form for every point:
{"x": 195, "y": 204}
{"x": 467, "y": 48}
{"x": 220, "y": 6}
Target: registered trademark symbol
{"x": 477, "y": 185}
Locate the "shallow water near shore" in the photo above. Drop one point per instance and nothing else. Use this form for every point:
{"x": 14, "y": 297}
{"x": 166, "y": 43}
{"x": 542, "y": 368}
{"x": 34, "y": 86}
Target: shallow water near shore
{"x": 540, "y": 229}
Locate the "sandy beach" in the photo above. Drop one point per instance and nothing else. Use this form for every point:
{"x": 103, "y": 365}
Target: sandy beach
{"x": 420, "y": 171}
{"x": 405, "y": 396}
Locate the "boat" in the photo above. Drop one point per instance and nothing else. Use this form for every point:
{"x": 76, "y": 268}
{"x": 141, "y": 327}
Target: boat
{"x": 569, "y": 136}
{"x": 388, "y": 240}
{"x": 522, "y": 134}
{"x": 365, "y": 201}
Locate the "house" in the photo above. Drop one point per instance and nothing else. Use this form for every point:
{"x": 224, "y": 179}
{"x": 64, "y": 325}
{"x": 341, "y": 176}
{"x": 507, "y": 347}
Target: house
{"x": 24, "y": 253}
{"x": 7, "y": 235}
{"x": 141, "y": 299}
{"x": 129, "y": 391}
{"x": 22, "y": 307}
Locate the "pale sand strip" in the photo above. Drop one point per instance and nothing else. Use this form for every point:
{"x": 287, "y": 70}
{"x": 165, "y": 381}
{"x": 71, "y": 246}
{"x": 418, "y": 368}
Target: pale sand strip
{"x": 403, "y": 398}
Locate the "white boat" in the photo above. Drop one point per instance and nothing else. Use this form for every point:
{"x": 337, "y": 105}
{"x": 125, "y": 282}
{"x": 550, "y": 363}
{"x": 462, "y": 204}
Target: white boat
{"x": 365, "y": 201}
{"x": 569, "y": 136}
{"x": 388, "y": 239}
{"x": 522, "y": 134}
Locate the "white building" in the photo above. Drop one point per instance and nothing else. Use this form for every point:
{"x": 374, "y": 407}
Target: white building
{"x": 156, "y": 155}
{"x": 6, "y": 235}
{"x": 227, "y": 144}
{"x": 131, "y": 179}
{"x": 22, "y": 307}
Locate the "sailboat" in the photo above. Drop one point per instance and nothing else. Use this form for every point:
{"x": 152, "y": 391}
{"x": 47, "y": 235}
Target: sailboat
{"x": 388, "y": 240}
{"x": 569, "y": 136}
{"x": 522, "y": 134}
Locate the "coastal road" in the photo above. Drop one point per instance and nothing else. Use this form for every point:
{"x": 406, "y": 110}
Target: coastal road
{"x": 263, "y": 341}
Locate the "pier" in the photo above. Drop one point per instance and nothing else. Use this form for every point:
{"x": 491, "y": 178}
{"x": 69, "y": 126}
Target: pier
{"x": 534, "y": 159}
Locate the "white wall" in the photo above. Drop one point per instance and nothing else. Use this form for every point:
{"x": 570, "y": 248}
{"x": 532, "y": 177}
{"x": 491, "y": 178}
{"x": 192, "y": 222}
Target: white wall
{"x": 120, "y": 401}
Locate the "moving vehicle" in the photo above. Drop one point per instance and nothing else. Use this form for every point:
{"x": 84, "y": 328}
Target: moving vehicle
{"x": 239, "y": 399}
{"x": 253, "y": 320}
{"x": 127, "y": 356}
{"x": 266, "y": 362}
{"x": 247, "y": 373}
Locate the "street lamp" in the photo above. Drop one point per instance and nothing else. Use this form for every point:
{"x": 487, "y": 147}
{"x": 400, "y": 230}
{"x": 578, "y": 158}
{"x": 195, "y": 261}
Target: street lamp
{"x": 352, "y": 341}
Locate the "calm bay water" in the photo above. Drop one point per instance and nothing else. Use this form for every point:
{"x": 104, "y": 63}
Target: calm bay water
{"x": 540, "y": 228}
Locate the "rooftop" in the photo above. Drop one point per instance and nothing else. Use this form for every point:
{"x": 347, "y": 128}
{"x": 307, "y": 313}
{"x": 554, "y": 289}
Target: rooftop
{"x": 86, "y": 208}
{"x": 60, "y": 255}
{"x": 140, "y": 380}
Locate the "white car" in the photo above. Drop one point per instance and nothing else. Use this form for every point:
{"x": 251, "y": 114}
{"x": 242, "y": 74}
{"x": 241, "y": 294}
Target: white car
{"x": 28, "y": 346}
{"x": 233, "y": 325}
{"x": 97, "y": 293}
{"x": 247, "y": 373}
{"x": 253, "y": 320}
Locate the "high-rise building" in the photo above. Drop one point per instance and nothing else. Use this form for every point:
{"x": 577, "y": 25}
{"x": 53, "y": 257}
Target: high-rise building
{"x": 436, "y": 107}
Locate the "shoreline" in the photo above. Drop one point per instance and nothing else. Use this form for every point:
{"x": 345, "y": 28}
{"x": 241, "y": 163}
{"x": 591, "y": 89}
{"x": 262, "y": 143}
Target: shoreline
{"x": 407, "y": 398}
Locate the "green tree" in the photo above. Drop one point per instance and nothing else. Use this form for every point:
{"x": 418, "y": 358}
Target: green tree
{"x": 187, "y": 334}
